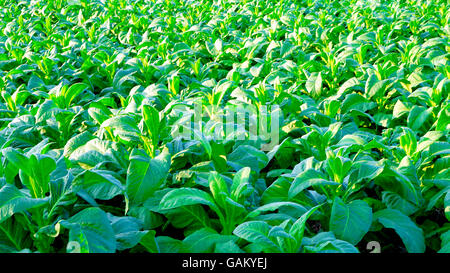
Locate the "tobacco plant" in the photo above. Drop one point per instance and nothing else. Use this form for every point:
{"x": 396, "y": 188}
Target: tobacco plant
{"x": 95, "y": 96}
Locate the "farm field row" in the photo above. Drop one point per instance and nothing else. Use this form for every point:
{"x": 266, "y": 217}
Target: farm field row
{"x": 203, "y": 126}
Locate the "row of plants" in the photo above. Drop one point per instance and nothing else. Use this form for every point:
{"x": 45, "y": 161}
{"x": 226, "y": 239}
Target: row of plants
{"x": 92, "y": 93}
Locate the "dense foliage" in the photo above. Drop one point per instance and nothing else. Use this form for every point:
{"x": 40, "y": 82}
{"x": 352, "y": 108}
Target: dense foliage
{"x": 89, "y": 102}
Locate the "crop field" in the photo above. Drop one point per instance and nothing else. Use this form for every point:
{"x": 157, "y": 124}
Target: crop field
{"x": 275, "y": 126}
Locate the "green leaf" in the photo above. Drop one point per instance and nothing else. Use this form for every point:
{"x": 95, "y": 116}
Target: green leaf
{"x": 350, "y": 222}
{"x": 350, "y": 83}
{"x": 240, "y": 183}
{"x": 97, "y": 151}
{"x": 145, "y": 175}
{"x": 76, "y": 142}
{"x": 445, "y": 244}
{"x": 375, "y": 88}
{"x": 298, "y": 228}
{"x": 149, "y": 242}
{"x": 90, "y": 232}
{"x": 184, "y": 197}
{"x": 12, "y": 236}
{"x": 73, "y": 91}
{"x": 34, "y": 171}
{"x": 276, "y": 205}
{"x": 218, "y": 188}
{"x": 447, "y": 205}
{"x": 14, "y": 201}
{"x": 308, "y": 179}
{"x": 395, "y": 201}
{"x": 277, "y": 191}
{"x": 127, "y": 231}
{"x": 409, "y": 232}
{"x": 169, "y": 245}
{"x": 248, "y": 156}
{"x": 418, "y": 117}
{"x": 325, "y": 242}
{"x": 61, "y": 194}
{"x": 191, "y": 215}
{"x": 123, "y": 126}
{"x": 314, "y": 84}
{"x": 356, "y": 102}
{"x": 400, "y": 108}
{"x": 204, "y": 240}
{"x": 38, "y": 179}
{"x": 227, "y": 247}
{"x": 257, "y": 232}
{"x": 152, "y": 122}
{"x": 408, "y": 142}
{"x": 18, "y": 159}
{"x": 443, "y": 120}
{"x": 100, "y": 184}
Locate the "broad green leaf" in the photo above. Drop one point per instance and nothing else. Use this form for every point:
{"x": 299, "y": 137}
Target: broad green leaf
{"x": 355, "y": 101}
{"x": 12, "y": 236}
{"x": 145, "y": 175}
{"x": 73, "y": 91}
{"x": 184, "y": 197}
{"x": 204, "y": 240}
{"x": 169, "y": 245}
{"x": 408, "y": 141}
{"x": 14, "y": 201}
{"x": 418, "y": 117}
{"x": 314, "y": 84}
{"x": 218, "y": 188}
{"x": 190, "y": 215}
{"x": 152, "y": 122}
{"x": 409, "y": 232}
{"x": 90, "y": 231}
{"x": 274, "y": 206}
{"x": 350, "y": 222}
{"x": 395, "y": 201}
{"x": 240, "y": 183}
{"x": 445, "y": 245}
{"x": 127, "y": 231}
{"x": 298, "y": 228}
{"x": 247, "y": 156}
{"x": 325, "y": 242}
{"x": 61, "y": 194}
{"x": 257, "y": 232}
{"x": 447, "y": 205}
{"x": 100, "y": 184}
{"x": 306, "y": 179}
{"x": 149, "y": 242}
